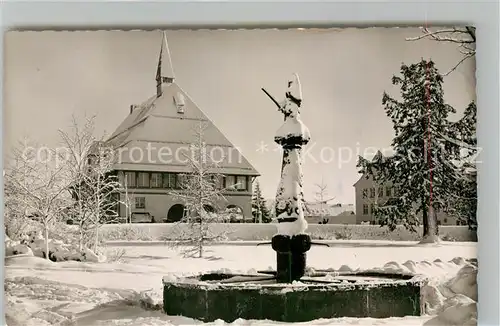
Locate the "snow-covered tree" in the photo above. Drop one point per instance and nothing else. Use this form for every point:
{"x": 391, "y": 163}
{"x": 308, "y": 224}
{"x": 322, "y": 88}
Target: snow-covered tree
{"x": 202, "y": 192}
{"x": 88, "y": 163}
{"x": 37, "y": 183}
{"x": 16, "y": 210}
{"x": 463, "y": 204}
{"x": 128, "y": 201}
{"x": 426, "y": 162}
{"x": 464, "y": 38}
{"x": 260, "y": 211}
{"x": 78, "y": 142}
{"x": 104, "y": 186}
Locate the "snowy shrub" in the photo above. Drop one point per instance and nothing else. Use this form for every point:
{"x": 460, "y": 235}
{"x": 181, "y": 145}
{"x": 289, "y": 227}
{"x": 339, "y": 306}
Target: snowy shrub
{"x": 126, "y": 233}
{"x": 115, "y": 255}
{"x": 343, "y": 234}
{"x": 448, "y": 237}
{"x": 322, "y": 235}
{"x": 263, "y": 232}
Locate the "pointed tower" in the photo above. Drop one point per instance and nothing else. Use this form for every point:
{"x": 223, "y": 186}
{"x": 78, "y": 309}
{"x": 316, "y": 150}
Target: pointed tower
{"x": 165, "y": 71}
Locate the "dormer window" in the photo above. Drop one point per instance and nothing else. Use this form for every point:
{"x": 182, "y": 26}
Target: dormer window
{"x": 180, "y": 102}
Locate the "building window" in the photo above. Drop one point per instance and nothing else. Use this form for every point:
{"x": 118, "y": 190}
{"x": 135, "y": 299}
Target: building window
{"x": 230, "y": 182}
{"x": 365, "y": 209}
{"x": 381, "y": 191}
{"x": 388, "y": 192}
{"x": 143, "y": 179}
{"x": 372, "y": 209}
{"x": 241, "y": 183}
{"x": 445, "y": 220}
{"x": 169, "y": 180}
{"x": 130, "y": 179}
{"x": 365, "y": 193}
{"x": 140, "y": 202}
{"x": 372, "y": 192}
{"x": 156, "y": 181}
{"x": 180, "y": 102}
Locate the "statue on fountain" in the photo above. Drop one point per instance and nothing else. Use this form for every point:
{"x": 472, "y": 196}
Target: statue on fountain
{"x": 291, "y": 242}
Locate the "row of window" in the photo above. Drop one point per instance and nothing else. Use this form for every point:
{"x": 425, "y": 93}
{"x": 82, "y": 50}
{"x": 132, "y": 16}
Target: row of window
{"x": 367, "y": 209}
{"x": 380, "y": 192}
{"x": 158, "y": 180}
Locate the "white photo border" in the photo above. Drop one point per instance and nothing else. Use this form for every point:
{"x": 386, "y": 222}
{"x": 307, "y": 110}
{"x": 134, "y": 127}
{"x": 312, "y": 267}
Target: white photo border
{"x": 128, "y": 15}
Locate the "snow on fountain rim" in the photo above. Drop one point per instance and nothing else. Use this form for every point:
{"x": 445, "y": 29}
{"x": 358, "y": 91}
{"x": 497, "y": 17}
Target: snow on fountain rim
{"x": 191, "y": 279}
{"x": 418, "y": 271}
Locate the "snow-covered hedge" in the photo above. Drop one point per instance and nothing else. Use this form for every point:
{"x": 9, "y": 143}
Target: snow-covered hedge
{"x": 250, "y": 231}
{"x": 33, "y": 244}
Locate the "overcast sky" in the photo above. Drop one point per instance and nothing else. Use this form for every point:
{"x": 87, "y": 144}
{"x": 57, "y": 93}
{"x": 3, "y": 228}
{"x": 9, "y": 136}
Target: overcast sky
{"x": 51, "y": 75}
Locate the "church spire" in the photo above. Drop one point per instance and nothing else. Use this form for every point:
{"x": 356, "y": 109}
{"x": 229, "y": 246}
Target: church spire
{"x": 165, "y": 71}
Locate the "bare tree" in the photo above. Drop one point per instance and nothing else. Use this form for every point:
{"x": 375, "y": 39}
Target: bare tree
{"x": 202, "y": 191}
{"x": 16, "y": 209}
{"x": 465, "y": 38}
{"x": 127, "y": 201}
{"x": 321, "y": 198}
{"x": 88, "y": 164}
{"x": 104, "y": 186}
{"x": 39, "y": 184}
{"x": 78, "y": 142}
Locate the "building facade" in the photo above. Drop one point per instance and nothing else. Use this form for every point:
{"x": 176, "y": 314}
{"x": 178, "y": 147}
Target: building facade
{"x": 368, "y": 193}
{"x": 152, "y": 143}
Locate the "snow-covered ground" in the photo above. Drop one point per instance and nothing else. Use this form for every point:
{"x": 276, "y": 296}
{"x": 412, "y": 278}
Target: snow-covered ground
{"x": 39, "y": 292}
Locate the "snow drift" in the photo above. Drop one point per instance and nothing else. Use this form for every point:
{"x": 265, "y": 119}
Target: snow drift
{"x": 34, "y": 245}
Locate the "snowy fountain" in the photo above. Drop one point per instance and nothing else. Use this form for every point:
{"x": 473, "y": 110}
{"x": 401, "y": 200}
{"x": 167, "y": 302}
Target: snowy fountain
{"x": 292, "y": 293}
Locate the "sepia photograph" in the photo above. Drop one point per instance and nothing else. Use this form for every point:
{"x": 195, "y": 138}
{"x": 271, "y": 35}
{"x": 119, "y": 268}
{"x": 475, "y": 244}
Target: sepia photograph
{"x": 325, "y": 176}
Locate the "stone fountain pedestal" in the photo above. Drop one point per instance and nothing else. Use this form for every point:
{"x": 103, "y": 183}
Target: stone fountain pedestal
{"x": 209, "y": 297}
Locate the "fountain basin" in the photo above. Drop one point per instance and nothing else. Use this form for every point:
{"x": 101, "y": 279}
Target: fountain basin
{"x": 213, "y": 296}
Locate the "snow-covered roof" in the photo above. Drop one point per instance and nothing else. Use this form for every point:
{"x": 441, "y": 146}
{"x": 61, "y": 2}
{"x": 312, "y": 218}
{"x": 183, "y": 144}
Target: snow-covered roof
{"x": 315, "y": 209}
{"x": 164, "y": 126}
{"x": 378, "y": 157}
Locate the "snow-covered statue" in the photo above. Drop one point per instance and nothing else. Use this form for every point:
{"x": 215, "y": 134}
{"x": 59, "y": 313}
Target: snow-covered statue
{"x": 291, "y": 243}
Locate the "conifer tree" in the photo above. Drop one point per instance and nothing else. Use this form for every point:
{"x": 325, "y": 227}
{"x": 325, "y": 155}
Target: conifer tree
{"x": 259, "y": 207}
{"x": 425, "y": 165}
{"x": 463, "y": 204}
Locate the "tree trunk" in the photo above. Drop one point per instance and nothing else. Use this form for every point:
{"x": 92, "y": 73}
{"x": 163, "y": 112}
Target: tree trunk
{"x": 80, "y": 244}
{"x": 425, "y": 220}
{"x": 96, "y": 240}
{"x": 81, "y": 219}
{"x": 46, "y": 236}
{"x": 435, "y": 222}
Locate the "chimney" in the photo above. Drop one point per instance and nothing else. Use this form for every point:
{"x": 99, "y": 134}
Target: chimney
{"x": 132, "y": 107}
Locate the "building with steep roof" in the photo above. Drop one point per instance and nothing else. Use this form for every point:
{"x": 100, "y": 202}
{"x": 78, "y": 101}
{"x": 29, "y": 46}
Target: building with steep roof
{"x": 151, "y": 144}
{"x": 368, "y": 193}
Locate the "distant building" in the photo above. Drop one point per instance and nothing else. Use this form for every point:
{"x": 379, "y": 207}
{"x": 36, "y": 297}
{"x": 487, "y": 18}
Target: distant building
{"x": 151, "y": 140}
{"x": 368, "y": 193}
{"x": 317, "y": 213}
